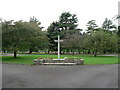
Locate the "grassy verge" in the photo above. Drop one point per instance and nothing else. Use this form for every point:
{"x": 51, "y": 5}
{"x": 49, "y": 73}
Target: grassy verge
{"x": 89, "y": 60}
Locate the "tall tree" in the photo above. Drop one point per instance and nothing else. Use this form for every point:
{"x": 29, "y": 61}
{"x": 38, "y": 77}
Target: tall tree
{"x": 118, "y": 17}
{"x": 100, "y": 41}
{"x": 21, "y": 36}
{"x": 67, "y": 23}
{"x": 73, "y": 42}
{"x": 52, "y": 33}
{"x": 108, "y": 25}
{"x": 35, "y": 20}
{"x": 35, "y": 23}
{"x": 92, "y": 26}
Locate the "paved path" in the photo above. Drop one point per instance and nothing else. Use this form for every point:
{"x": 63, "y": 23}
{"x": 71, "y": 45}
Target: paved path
{"x": 87, "y": 76}
{"x": 10, "y": 54}
{"x": 110, "y": 55}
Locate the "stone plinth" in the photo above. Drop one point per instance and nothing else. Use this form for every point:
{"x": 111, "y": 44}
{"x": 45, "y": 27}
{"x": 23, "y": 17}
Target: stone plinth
{"x": 59, "y": 62}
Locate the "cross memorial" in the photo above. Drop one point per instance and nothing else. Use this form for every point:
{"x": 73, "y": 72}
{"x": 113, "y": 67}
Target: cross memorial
{"x": 58, "y": 46}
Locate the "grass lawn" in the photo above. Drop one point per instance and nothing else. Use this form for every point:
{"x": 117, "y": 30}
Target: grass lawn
{"x": 89, "y": 60}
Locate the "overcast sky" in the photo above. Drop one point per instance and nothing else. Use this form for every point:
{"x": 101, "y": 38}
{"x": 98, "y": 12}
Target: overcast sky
{"x": 47, "y": 11}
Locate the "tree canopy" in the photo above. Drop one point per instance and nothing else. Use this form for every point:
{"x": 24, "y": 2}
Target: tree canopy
{"x": 30, "y": 36}
{"x": 20, "y": 36}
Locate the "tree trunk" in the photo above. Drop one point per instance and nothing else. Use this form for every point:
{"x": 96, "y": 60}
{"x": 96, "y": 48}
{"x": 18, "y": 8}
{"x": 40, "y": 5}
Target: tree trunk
{"x": 48, "y": 52}
{"x": 63, "y": 52}
{"x": 45, "y": 52}
{"x": 83, "y": 51}
{"x": 79, "y": 51}
{"x": 88, "y": 51}
{"x": 95, "y": 54}
{"x": 67, "y": 51}
{"x": 73, "y": 53}
{"x": 60, "y": 52}
{"x": 30, "y": 51}
{"x": 4, "y": 51}
{"x": 104, "y": 51}
{"x": 15, "y": 54}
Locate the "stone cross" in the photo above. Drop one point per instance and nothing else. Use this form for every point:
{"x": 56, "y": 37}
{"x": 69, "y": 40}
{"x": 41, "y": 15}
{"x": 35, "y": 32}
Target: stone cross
{"x": 58, "y": 46}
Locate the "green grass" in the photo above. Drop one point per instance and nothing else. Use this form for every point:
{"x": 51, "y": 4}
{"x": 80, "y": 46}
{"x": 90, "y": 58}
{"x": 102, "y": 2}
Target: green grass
{"x": 89, "y": 60}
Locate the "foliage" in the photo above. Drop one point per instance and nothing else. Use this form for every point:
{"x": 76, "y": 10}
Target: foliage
{"x": 67, "y": 23}
{"x": 29, "y": 36}
{"x": 72, "y": 41}
{"x": 20, "y": 36}
{"x": 92, "y": 26}
{"x": 52, "y": 33}
{"x": 100, "y": 41}
{"x": 108, "y": 25}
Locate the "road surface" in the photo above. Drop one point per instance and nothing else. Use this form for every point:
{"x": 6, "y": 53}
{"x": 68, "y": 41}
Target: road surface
{"x": 86, "y": 76}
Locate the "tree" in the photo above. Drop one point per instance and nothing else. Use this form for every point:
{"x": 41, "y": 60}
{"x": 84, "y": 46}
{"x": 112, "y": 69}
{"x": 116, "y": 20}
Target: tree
{"x": 67, "y": 23}
{"x": 92, "y": 26}
{"x": 100, "y": 41}
{"x": 118, "y": 33}
{"x": 34, "y": 21}
{"x": 52, "y": 33}
{"x": 20, "y": 36}
{"x": 73, "y": 41}
{"x": 108, "y": 25}
{"x": 6, "y": 27}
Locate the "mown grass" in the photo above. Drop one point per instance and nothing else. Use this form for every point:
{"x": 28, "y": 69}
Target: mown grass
{"x": 89, "y": 60}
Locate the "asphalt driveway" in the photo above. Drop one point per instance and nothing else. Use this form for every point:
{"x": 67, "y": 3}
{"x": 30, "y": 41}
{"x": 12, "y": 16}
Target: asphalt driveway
{"x": 87, "y": 76}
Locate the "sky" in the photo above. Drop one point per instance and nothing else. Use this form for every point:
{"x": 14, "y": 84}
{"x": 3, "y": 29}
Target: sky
{"x": 47, "y": 11}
